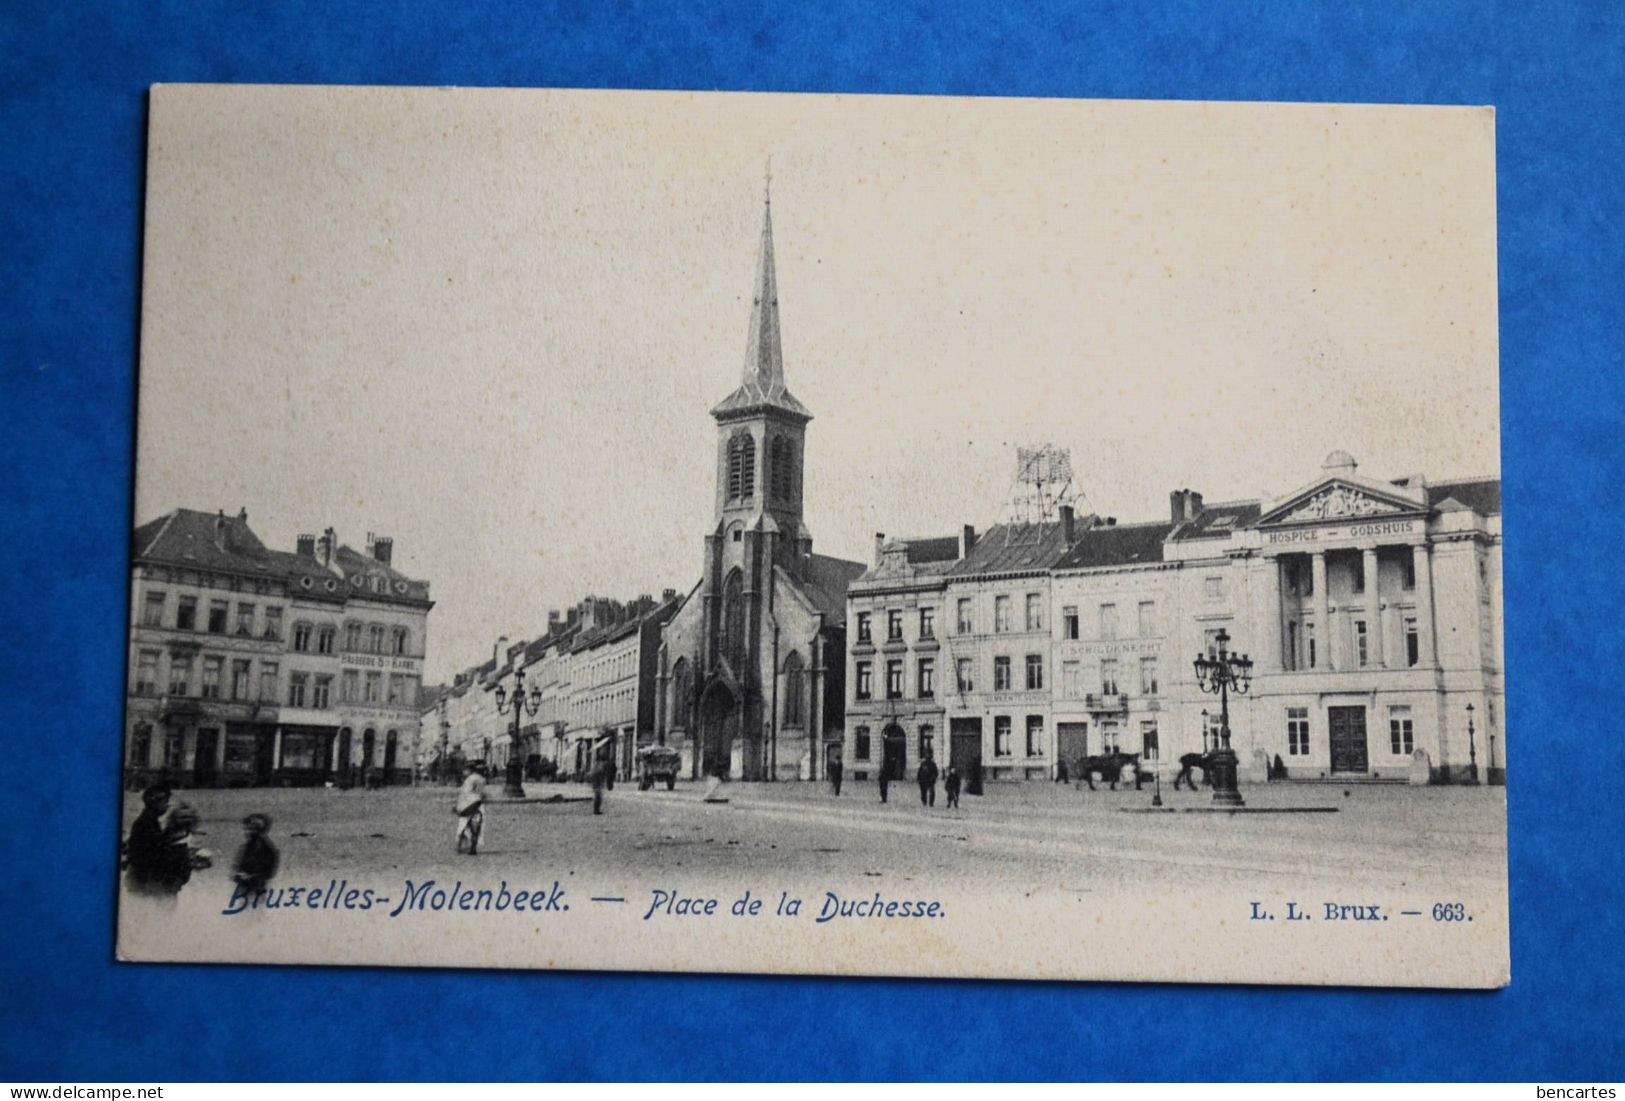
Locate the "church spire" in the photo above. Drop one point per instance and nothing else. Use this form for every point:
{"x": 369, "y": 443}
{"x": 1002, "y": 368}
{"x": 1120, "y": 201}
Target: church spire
{"x": 762, "y": 384}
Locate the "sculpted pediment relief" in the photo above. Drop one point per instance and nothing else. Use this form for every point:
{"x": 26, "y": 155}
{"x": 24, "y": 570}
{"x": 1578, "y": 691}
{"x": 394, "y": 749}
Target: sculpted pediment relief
{"x": 1336, "y": 502}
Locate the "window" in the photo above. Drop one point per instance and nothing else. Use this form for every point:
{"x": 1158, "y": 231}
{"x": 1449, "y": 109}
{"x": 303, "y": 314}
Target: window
{"x": 1213, "y": 588}
{"x": 245, "y": 620}
{"x": 146, "y": 673}
{"x": 1001, "y": 614}
{"x": 965, "y": 623}
{"x": 239, "y": 679}
{"x": 1401, "y": 735}
{"x": 268, "y": 671}
{"x": 273, "y": 623}
{"x": 894, "y": 680}
{"x": 1001, "y": 674}
{"x": 1069, "y": 622}
{"x": 1035, "y": 735}
{"x": 352, "y": 636}
{"x": 180, "y": 674}
{"x": 1109, "y": 737}
{"x": 152, "y": 612}
{"x": 866, "y": 680}
{"x": 173, "y": 748}
{"x": 1001, "y": 735}
{"x": 1035, "y": 672}
{"x": 860, "y": 744}
{"x": 398, "y": 640}
{"x": 1413, "y": 642}
{"x": 141, "y": 746}
{"x": 779, "y": 476}
{"x": 1149, "y": 748}
{"x": 1148, "y": 676}
{"x": 1148, "y": 618}
{"x": 1407, "y": 573}
{"x": 1362, "y": 647}
{"x": 1035, "y": 612}
{"x": 395, "y": 694}
{"x": 186, "y": 613}
{"x": 733, "y": 617}
{"x": 964, "y": 672}
{"x": 375, "y": 638}
{"x": 1294, "y": 658}
{"x": 794, "y": 691}
{"x": 927, "y": 678}
{"x": 218, "y": 611}
{"x": 928, "y": 623}
{"x": 741, "y": 466}
{"x": 326, "y": 635}
{"x": 1297, "y": 731}
{"x": 297, "y": 683}
{"x": 373, "y": 687}
{"x": 1305, "y": 578}
{"x": 1108, "y": 621}
{"x": 894, "y": 625}
{"x": 1309, "y": 642}
{"x": 321, "y": 696}
{"x": 928, "y": 741}
{"x": 1108, "y": 676}
{"x": 1070, "y": 680}
{"x": 350, "y": 686}
{"x": 301, "y": 637}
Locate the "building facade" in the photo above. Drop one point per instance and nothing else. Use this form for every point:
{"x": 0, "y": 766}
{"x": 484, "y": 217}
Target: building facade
{"x": 1370, "y": 608}
{"x": 241, "y": 658}
{"x": 751, "y": 664}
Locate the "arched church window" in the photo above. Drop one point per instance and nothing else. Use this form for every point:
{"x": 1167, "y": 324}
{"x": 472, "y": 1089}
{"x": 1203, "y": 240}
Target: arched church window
{"x": 783, "y": 469}
{"x": 682, "y": 693}
{"x": 794, "y": 691}
{"x": 736, "y": 468}
{"x": 747, "y": 459}
{"x": 733, "y": 617}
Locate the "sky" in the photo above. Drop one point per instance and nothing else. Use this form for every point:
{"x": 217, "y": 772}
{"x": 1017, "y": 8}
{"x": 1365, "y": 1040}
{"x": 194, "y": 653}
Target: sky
{"x": 491, "y": 323}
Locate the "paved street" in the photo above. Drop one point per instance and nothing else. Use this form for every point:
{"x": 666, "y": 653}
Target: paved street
{"x": 1016, "y": 836}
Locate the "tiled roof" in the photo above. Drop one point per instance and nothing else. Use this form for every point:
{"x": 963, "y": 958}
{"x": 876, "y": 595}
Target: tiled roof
{"x": 824, "y": 580}
{"x": 1217, "y": 521}
{"x": 1482, "y": 495}
{"x": 937, "y": 549}
{"x": 1117, "y": 545}
{"x": 187, "y": 537}
{"x": 1013, "y": 548}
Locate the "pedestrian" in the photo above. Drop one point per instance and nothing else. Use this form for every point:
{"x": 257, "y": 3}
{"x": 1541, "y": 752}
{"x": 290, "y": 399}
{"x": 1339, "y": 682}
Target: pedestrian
{"x": 180, "y": 854}
{"x": 1062, "y": 774}
{"x": 885, "y": 778}
{"x": 144, "y": 848}
{"x": 927, "y": 777}
{"x": 950, "y": 784}
{"x": 835, "y": 772}
{"x": 470, "y": 807}
{"x": 600, "y": 780}
{"x": 257, "y": 860}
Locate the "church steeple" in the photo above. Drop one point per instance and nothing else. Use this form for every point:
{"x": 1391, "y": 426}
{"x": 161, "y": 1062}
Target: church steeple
{"x": 762, "y": 385}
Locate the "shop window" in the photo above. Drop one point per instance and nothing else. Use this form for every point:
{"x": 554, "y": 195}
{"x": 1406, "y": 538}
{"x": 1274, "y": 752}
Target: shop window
{"x": 1001, "y": 735}
{"x": 1035, "y": 735}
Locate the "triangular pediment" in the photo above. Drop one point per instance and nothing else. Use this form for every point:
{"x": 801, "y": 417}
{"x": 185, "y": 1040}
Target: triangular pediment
{"x": 1334, "y": 500}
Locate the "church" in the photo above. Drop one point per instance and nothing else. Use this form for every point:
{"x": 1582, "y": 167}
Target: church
{"x": 751, "y": 667}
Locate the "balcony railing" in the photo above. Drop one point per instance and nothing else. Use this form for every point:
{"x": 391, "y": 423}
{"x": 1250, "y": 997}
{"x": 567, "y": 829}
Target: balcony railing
{"x": 1106, "y": 702}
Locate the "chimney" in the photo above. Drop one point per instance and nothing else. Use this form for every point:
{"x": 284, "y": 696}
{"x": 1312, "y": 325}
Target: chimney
{"x": 967, "y": 540}
{"x": 1068, "y": 527}
{"x": 668, "y": 595}
{"x": 328, "y": 546}
{"x": 553, "y": 617}
{"x": 383, "y": 549}
{"x": 880, "y": 538}
{"x": 306, "y": 546}
{"x": 1184, "y": 505}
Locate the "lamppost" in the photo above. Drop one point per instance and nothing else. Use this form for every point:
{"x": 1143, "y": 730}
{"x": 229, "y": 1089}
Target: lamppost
{"x": 1472, "y": 749}
{"x": 445, "y": 739}
{"x": 513, "y": 783}
{"x": 1221, "y": 675}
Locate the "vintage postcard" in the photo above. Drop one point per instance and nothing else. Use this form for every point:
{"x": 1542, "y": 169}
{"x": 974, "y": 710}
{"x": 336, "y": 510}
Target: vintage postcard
{"x": 818, "y": 534}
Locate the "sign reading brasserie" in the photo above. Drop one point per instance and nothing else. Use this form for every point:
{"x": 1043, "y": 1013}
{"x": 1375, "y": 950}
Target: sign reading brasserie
{"x": 375, "y": 661}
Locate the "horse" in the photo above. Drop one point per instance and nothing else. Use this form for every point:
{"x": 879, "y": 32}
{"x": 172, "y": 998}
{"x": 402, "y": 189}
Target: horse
{"x": 1188, "y": 761}
{"x": 1110, "y": 766}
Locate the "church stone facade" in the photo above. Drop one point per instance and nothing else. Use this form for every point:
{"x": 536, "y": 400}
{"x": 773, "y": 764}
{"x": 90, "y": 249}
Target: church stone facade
{"x": 751, "y": 665}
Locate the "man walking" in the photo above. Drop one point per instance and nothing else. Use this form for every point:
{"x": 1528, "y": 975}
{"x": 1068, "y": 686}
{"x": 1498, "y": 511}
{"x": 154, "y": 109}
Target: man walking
{"x": 927, "y": 777}
{"x": 600, "y": 780}
{"x": 950, "y": 784}
{"x": 835, "y": 771}
{"x": 885, "y": 778}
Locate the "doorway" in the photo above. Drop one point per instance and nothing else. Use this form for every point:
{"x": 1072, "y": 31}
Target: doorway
{"x": 1346, "y": 727}
{"x": 893, "y": 752}
{"x": 1072, "y": 743}
{"x": 719, "y": 725}
{"x": 204, "y": 758}
{"x": 965, "y": 752}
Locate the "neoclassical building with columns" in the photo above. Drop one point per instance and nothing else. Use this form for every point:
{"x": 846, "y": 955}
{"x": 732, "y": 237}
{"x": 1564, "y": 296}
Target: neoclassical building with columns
{"x": 1371, "y": 609}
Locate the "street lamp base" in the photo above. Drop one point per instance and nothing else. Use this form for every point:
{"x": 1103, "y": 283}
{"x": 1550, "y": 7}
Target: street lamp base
{"x": 1223, "y": 771}
{"x": 513, "y": 783}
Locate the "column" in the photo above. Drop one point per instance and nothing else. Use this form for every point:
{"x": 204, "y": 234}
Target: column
{"x": 1265, "y": 577}
{"x": 1373, "y": 607}
{"x": 1323, "y": 614}
{"x": 1422, "y": 561}
{"x": 276, "y": 749}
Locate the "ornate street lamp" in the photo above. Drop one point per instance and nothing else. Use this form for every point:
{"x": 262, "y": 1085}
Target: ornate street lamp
{"x": 445, "y": 739}
{"x": 1472, "y": 749}
{"x": 1221, "y": 675}
{"x": 513, "y": 782}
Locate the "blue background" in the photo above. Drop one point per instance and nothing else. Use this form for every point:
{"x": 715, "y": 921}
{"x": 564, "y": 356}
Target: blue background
{"x": 72, "y": 83}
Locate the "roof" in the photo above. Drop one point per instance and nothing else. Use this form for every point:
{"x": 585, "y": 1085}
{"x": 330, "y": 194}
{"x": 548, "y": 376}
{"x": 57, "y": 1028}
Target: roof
{"x": 1482, "y": 495}
{"x": 1218, "y": 520}
{"x": 187, "y": 537}
{"x": 1117, "y": 545}
{"x": 824, "y": 581}
{"x": 1014, "y": 548}
{"x": 936, "y": 549}
{"x": 762, "y": 385}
